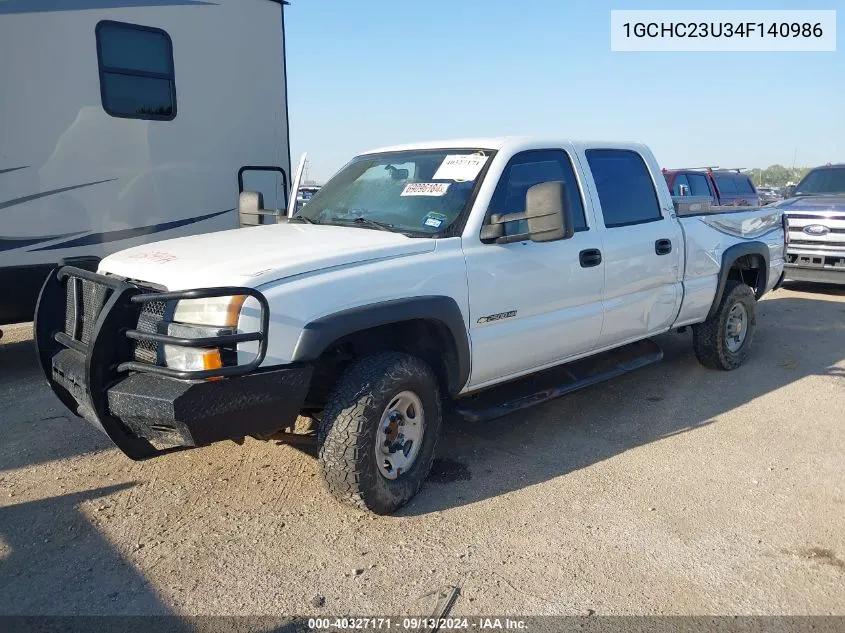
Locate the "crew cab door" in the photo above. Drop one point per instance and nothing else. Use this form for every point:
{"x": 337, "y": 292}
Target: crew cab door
{"x": 643, "y": 245}
{"x": 533, "y": 304}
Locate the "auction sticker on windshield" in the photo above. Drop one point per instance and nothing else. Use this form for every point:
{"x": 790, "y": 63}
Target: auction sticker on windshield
{"x": 460, "y": 167}
{"x": 434, "y": 220}
{"x": 426, "y": 189}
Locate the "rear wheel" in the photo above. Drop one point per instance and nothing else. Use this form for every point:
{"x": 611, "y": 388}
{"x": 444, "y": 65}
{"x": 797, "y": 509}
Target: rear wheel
{"x": 379, "y": 431}
{"x": 724, "y": 340}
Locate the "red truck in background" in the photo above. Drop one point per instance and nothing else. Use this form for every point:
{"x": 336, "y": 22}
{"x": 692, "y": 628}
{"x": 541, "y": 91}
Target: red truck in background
{"x": 724, "y": 187}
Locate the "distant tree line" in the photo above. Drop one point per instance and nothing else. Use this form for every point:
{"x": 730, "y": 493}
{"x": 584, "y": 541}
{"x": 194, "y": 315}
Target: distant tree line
{"x": 776, "y": 175}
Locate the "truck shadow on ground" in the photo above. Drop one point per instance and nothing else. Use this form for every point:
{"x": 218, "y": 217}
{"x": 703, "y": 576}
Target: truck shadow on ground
{"x": 35, "y": 425}
{"x": 795, "y": 338}
{"x": 52, "y": 549}
{"x": 822, "y": 289}
{"x": 59, "y": 573}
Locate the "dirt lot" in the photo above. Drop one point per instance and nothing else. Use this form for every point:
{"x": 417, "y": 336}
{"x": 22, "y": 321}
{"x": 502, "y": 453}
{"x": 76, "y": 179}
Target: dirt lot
{"x": 671, "y": 490}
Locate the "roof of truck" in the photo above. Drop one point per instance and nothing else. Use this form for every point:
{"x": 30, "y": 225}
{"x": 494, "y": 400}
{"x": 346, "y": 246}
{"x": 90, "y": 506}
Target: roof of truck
{"x": 500, "y": 142}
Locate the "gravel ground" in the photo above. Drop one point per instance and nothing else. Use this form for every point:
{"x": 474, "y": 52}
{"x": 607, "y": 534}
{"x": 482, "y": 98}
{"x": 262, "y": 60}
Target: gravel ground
{"x": 673, "y": 490}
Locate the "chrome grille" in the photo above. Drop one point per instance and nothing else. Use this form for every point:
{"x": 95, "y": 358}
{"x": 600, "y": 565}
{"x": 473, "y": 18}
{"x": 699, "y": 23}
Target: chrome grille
{"x": 815, "y": 216}
{"x": 799, "y": 229}
{"x": 820, "y": 244}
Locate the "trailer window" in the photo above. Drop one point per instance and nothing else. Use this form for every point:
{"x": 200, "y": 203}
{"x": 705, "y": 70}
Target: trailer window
{"x": 137, "y": 78}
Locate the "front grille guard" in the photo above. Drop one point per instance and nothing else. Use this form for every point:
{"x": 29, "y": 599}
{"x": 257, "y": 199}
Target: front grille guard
{"x": 102, "y": 359}
{"x": 138, "y": 297}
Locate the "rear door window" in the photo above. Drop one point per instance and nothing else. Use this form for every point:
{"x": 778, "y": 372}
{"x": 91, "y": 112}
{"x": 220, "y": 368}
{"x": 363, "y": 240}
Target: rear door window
{"x": 743, "y": 185}
{"x": 725, "y": 183}
{"x": 625, "y": 188}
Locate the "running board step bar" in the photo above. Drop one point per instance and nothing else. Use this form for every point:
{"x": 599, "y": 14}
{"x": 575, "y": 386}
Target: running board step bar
{"x": 550, "y": 384}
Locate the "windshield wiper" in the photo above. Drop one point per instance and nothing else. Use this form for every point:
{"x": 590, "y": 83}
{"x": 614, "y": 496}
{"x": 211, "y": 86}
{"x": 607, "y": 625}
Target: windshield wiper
{"x": 381, "y": 226}
{"x": 302, "y": 218}
{"x": 373, "y": 224}
{"x": 384, "y": 226}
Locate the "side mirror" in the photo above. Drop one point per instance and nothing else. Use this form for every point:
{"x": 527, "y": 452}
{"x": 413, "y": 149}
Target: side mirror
{"x": 788, "y": 191}
{"x": 251, "y": 211}
{"x": 249, "y": 205}
{"x": 547, "y": 212}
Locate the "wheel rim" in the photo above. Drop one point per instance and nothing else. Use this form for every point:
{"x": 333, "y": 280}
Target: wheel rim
{"x": 736, "y": 329}
{"x": 400, "y": 433}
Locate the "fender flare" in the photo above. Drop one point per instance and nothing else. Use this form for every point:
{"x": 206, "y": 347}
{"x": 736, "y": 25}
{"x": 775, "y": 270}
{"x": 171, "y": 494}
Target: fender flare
{"x": 729, "y": 257}
{"x": 319, "y": 334}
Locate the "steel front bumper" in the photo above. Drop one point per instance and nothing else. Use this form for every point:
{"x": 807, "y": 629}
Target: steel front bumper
{"x": 87, "y": 351}
{"x": 816, "y": 266}
{"x": 819, "y": 274}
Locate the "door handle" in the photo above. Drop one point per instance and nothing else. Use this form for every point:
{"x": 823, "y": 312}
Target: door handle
{"x": 590, "y": 257}
{"x": 663, "y": 247}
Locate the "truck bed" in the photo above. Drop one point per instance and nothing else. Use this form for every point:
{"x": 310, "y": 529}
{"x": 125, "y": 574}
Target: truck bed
{"x": 686, "y": 206}
{"x": 713, "y": 232}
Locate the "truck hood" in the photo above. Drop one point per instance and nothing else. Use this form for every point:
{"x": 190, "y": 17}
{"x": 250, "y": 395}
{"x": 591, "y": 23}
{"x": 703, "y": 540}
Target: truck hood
{"x": 815, "y": 204}
{"x": 253, "y": 256}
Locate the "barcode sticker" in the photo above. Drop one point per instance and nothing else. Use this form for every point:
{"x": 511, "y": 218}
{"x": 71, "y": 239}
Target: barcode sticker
{"x": 460, "y": 167}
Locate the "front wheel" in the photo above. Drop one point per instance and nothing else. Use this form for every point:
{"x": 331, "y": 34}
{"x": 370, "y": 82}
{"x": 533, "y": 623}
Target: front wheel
{"x": 379, "y": 431}
{"x": 724, "y": 340}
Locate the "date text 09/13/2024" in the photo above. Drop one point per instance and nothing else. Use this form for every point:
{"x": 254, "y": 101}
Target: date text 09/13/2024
{"x": 416, "y": 623}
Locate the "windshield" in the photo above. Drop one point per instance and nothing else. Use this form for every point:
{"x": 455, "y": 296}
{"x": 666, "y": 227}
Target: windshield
{"x": 828, "y": 180}
{"x": 421, "y": 193}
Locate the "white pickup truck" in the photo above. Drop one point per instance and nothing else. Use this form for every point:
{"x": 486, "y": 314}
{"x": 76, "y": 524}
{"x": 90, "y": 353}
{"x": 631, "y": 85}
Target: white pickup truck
{"x": 420, "y": 279}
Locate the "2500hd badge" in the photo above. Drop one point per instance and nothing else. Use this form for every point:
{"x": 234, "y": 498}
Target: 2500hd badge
{"x": 497, "y": 317}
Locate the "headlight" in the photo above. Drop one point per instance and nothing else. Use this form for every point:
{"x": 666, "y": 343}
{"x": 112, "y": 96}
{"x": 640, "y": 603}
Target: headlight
{"x": 215, "y": 311}
{"x": 203, "y": 318}
{"x": 192, "y": 358}
{"x": 195, "y": 358}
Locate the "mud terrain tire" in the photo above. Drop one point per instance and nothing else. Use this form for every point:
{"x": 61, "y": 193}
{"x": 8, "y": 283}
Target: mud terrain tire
{"x": 352, "y": 463}
{"x": 717, "y": 341}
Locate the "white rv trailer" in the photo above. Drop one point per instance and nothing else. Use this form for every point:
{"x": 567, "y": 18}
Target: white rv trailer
{"x": 130, "y": 121}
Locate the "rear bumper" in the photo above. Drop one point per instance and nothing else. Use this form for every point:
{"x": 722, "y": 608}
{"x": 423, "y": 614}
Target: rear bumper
{"x": 144, "y": 411}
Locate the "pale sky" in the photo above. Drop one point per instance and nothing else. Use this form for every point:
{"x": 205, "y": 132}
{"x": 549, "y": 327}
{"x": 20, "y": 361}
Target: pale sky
{"x": 377, "y": 72}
